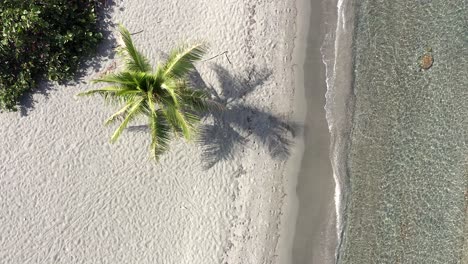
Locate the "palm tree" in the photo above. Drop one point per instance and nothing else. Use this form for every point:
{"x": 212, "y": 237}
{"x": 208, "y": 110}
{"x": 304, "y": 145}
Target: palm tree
{"x": 164, "y": 96}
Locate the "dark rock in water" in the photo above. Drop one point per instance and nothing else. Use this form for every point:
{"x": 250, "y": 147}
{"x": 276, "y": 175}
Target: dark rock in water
{"x": 426, "y": 61}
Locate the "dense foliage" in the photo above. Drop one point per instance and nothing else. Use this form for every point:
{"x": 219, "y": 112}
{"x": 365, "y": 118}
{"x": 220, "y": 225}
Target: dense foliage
{"x": 163, "y": 95}
{"x": 42, "y": 38}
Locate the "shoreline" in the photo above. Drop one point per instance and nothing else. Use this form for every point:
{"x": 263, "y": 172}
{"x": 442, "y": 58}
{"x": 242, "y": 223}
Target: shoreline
{"x": 290, "y": 207}
{"x": 315, "y": 238}
{"x": 337, "y": 55}
{"x": 310, "y": 227}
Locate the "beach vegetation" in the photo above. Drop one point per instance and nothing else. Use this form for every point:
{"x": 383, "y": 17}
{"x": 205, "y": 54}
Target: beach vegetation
{"x": 42, "y": 39}
{"x": 163, "y": 96}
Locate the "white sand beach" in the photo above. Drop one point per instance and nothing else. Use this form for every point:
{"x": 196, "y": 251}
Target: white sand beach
{"x": 67, "y": 195}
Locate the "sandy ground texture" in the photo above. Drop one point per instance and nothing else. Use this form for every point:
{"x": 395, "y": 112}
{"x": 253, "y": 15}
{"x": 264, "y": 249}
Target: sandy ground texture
{"x": 69, "y": 196}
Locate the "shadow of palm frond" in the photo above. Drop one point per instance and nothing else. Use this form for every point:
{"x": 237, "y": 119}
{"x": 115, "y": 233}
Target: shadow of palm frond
{"x": 239, "y": 122}
{"x": 139, "y": 129}
{"x": 219, "y": 142}
{"x": 225, "y": 132}
{"x": 235, "y": 87}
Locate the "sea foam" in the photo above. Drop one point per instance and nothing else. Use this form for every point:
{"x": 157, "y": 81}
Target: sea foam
{"x": 337, "y": 58}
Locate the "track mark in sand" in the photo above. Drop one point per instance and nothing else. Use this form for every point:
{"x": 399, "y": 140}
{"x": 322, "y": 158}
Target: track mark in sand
{"x": 239, "y": 224}
{"x": 250, "y": 28}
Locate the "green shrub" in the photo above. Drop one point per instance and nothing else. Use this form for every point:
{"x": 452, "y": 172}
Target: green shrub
{"x": 42, "y": 39}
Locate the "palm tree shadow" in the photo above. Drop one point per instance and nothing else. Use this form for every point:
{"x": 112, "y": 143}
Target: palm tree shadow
{"x": 229, "y": 130}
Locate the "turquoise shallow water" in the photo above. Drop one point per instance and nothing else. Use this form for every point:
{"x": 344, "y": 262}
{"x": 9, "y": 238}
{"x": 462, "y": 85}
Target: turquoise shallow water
{"x": 408, "y": 156}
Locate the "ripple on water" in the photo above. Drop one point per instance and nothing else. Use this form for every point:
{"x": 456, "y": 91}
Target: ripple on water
{"x": 407, "y": 161}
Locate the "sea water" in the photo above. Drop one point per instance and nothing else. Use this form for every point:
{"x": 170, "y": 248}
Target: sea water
{"x": 401, "y": 162}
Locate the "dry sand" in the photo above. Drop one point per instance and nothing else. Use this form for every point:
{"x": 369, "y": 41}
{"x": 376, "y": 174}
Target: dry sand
{"x": 69, "y": 196}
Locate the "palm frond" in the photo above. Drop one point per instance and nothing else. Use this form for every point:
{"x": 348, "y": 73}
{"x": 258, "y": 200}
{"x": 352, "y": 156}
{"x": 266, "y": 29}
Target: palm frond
{"x": 148, "y": 82}
{"x": 101, "y": 91}
{"x": 118, "y": 114}
{"x": 154, "y": 80}
{"x": 192, "y": 120}
{"x": 160, "y": 134}
{"x": 131, "y": 114}
{"x": 122, "y": 78}
{"x": 134, "y": 60}
{"x": 171, "y": 90}
{"x": 150, "y": 110}
{"x": 125, "y": 92}
{"x": 178, "y": 121}
{"x": 199, "y": 101}
{"x": 181, "y": 60}
{"x": 114, "y": 93}
{"x": 109, "y": 93}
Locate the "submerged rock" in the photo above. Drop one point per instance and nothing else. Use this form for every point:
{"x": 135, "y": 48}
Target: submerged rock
{"x": 426, "y": 61}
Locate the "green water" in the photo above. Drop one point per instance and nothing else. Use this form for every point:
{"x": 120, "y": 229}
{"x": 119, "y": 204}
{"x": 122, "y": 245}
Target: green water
{"x": 408, "y": 159}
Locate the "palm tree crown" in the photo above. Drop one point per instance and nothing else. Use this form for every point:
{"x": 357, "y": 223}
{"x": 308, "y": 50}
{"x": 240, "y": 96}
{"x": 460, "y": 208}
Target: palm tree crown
{"x": 164, "y": 95}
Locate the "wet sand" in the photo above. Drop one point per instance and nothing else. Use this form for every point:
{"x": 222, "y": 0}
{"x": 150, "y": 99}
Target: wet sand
{"x": 315, "y": 234}
{"x": 313, "y": 230}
